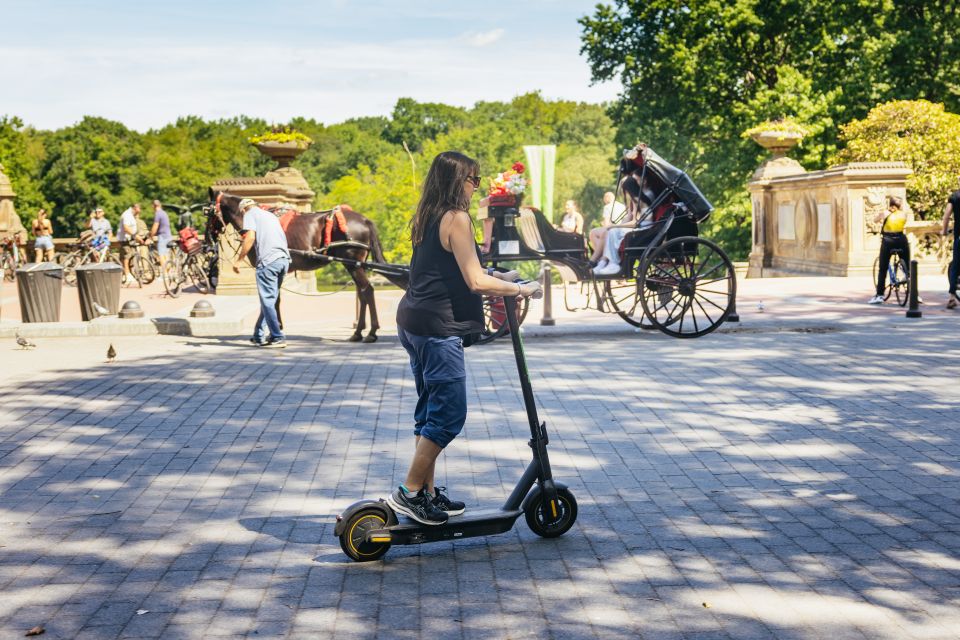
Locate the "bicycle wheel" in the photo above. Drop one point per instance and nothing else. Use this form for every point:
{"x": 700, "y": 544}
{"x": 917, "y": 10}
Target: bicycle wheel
{"x": 9, "y": 268}
{"x": 495, "y": 318}
{"x": 137, "y": 269}
{"x": 900, "y": 281}
{"x": 70, "y": 264}
{"x": 197, "y": 275}
{"x": 172, "y": 274}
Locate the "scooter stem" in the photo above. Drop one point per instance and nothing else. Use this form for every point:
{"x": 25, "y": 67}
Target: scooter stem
{"x": 538, "y": 430}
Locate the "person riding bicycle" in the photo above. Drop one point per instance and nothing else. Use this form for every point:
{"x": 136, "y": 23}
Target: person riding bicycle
{"x": 101, "y": 229}
{"x": 892, "y": 238}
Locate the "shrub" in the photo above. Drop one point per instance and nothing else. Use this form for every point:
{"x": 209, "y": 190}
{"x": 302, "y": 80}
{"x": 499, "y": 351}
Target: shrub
{"x": 917, "y": 132}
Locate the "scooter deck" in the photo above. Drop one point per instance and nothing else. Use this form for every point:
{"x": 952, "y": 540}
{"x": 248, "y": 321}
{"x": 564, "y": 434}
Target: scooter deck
{"x": 472, "y": 523}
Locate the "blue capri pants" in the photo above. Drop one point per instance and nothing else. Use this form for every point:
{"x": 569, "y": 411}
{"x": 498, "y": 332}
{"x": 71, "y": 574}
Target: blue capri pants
{"x": 441, "y": 380}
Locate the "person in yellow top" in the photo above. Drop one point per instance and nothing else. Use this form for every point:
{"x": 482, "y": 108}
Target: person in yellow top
{"x": 891, "y": 237}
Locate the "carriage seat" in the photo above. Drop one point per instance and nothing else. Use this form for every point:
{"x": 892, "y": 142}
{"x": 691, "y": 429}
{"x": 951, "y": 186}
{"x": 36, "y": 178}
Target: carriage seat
{"x": 540, "y": 235}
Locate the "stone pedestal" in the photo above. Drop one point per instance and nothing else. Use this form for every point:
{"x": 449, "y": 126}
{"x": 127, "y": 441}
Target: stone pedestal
{"x": 284, "y": 186}
{"x": 9, "y": 220}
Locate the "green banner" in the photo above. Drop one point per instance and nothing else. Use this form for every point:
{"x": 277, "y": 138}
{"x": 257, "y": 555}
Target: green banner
{"x": 541, "y": 161}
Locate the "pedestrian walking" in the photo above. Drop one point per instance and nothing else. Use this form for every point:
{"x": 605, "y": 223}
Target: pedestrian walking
{"x": 126, "y": 235}
{"x": 266, "y": 243}
{"x": 437, "y": 317}
{"x": 951, "y": 211}
{"x": 161, "y": 232}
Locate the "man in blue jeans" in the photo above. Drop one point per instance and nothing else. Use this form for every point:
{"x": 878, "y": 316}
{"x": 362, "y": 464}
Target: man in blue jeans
{"x": 265, "y": 238}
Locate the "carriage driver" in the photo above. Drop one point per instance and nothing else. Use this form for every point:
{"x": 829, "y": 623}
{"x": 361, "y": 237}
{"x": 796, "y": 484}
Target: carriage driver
{"x": 262, "y": 230}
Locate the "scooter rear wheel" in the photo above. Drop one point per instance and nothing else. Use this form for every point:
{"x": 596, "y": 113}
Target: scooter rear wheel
{"x": 353, "y": 539}
{"x": 543, "y": 522}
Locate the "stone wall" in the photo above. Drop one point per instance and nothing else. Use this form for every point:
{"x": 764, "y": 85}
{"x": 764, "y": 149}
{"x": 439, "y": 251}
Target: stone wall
{"x": 821, "y": 222}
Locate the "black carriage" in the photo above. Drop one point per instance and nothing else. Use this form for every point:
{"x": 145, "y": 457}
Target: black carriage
{"x": 669, "y": 279}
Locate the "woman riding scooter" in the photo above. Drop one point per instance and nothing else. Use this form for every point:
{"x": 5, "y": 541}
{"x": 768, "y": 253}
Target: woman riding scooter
{"x": 439, "y": 313}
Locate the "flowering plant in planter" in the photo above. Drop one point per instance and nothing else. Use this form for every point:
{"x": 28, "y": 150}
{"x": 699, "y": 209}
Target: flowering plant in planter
{"x": 508, "y": 187}
{"x": 282, "y": 135}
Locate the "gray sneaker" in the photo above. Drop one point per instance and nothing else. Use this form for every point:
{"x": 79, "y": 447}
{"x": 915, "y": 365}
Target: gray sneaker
{"x": 418, "y": 506}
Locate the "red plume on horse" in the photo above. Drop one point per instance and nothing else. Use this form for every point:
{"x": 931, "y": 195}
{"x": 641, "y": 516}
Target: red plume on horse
{"x": 318, "y": 238}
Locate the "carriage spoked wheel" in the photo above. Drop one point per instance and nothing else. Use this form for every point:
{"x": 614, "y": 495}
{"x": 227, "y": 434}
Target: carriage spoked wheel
{"x": 624, "y": 297}
{"x": 687, "y": 286}
{"x": 495, "y": 318}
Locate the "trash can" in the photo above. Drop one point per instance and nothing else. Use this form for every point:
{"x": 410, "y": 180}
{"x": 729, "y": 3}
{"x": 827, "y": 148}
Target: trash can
{"x": 38, "y": 287}
{"x": 99, "y": 288}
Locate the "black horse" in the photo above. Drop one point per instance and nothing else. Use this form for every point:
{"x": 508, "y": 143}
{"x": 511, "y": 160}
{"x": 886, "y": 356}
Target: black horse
{"x": 307, "y": 235}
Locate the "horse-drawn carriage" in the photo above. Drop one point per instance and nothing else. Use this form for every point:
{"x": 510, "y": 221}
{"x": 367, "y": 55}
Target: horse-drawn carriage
{"x": 669, "y": 279}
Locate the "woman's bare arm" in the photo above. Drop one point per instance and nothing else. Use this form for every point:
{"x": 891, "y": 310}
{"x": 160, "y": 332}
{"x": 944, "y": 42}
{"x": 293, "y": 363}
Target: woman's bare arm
{"x": 456, "y": 236}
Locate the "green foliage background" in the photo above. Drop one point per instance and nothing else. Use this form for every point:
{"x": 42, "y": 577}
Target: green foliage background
{"x": 360, "y": 162}
{"x": 696, "y": 74}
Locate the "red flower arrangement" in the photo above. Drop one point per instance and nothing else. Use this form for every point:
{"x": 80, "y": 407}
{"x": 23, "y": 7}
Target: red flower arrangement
{"x": 508, "y": 187}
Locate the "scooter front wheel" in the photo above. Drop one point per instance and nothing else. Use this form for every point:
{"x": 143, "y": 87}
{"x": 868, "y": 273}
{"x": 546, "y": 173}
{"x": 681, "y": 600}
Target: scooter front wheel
{"x": 546, "y": 523}
{"x": 353, "y": 540}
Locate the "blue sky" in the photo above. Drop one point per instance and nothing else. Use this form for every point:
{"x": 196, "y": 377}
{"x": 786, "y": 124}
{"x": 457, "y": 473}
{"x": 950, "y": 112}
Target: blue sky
{"x": 330, "y": 60}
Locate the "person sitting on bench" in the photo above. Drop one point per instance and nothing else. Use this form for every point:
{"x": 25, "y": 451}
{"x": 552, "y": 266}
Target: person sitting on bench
{"x": 606, "y": 256}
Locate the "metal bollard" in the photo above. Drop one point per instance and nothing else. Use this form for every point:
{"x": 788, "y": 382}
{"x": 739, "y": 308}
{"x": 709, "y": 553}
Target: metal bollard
{"x": 733, "y": 315}
{"x": 914, "y": 310}
{"x": 547, "y": 319}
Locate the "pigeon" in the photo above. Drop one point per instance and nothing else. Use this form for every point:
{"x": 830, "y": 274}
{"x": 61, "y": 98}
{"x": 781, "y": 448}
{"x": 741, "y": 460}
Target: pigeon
{"x": 760, "y": 306}
{"x": 111, "y": 354}
{"x": 24, "y": 343}
{"x": 100, "y": 309}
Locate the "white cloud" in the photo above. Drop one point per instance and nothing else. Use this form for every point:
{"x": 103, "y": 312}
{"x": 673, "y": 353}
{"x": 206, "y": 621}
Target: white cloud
{"x": 485, "y": 38}
{"x": 330, "y": 81}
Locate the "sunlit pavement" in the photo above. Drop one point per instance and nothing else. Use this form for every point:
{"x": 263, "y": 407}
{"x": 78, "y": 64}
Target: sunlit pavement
{"x": 767, "y": 482}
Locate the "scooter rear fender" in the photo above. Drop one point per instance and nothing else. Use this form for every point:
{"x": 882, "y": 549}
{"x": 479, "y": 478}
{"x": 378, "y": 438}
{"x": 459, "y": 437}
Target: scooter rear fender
{"x": 348, "y": 513}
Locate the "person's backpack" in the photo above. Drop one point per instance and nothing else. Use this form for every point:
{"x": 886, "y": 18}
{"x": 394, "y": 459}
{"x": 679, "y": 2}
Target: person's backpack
{"x": 189, "y": 240}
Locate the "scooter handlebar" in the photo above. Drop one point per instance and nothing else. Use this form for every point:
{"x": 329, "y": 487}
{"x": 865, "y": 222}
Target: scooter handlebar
{"x": 535, "y": 295}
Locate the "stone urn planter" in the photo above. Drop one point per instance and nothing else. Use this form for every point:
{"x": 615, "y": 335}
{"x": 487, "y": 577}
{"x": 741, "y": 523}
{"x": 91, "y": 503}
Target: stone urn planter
{"x": 777, "y": 142}
{"x": 283, "y": 153}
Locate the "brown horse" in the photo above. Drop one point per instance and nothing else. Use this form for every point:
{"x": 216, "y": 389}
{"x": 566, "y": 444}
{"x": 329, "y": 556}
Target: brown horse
{"x": 306, "y": 236}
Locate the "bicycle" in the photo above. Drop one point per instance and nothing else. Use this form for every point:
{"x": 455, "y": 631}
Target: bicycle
{"x": 898, "y": 277}
{"x": 141, "y": 267}
{"x": 11, "y": 257}
{"x": 87, "y": 251}
{"x": 182, "y": 266}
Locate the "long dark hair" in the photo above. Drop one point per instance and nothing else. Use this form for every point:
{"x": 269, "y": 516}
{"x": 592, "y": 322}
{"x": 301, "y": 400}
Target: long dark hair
{"x": 443, "y": 190}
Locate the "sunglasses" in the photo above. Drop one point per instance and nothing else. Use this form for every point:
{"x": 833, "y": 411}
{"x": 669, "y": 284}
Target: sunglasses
{"x": 475, "y": 180}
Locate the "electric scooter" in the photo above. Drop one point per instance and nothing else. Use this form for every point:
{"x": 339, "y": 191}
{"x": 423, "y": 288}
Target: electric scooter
{"x": 367, "y": 529}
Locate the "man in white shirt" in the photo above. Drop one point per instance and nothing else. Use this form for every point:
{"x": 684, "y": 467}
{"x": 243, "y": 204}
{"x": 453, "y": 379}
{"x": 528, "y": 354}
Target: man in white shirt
{"x": 612, "y": 210}
{"x": 126, "y": 232}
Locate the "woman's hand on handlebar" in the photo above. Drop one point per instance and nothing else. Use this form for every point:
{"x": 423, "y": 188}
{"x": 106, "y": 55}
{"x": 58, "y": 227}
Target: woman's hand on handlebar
{"x": 530, "y": 289}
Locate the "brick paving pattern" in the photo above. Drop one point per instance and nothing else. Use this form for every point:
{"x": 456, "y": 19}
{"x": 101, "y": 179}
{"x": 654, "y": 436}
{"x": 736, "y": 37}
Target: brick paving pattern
{"x": 768, "y": 484}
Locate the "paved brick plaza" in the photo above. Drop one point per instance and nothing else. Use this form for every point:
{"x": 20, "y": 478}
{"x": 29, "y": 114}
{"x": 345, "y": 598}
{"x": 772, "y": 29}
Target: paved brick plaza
{"x": 800, "y": 484}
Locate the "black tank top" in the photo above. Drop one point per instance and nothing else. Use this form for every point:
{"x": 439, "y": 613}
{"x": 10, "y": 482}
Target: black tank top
{"x": 438, "y": 301}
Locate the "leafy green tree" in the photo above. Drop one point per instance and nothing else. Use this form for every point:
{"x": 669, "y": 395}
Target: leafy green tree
{"x": 416, "y": 122}
{"x": 698, "y": 73}
{"x": 93, "y": 163}
{"x": 21, "y": 153}
{"x": 917, "y": 132}
{"x": 180, "y": 161}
